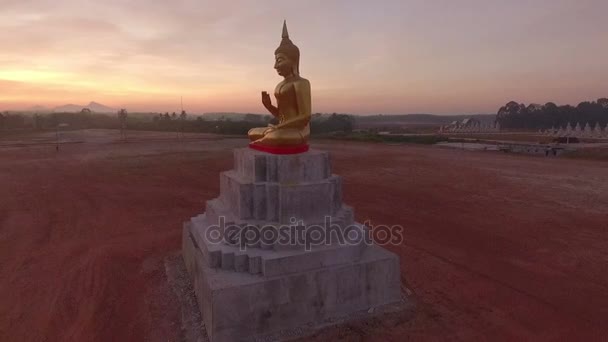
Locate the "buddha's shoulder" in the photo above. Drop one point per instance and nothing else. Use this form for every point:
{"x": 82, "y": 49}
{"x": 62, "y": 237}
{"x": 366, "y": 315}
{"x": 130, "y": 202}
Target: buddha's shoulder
{"x": 297, "y": 83}
{"x": 301, "y": 82}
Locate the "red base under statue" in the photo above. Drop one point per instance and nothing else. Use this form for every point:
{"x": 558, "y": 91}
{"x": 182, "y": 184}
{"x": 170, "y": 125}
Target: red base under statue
{"x": 289, "y": 149}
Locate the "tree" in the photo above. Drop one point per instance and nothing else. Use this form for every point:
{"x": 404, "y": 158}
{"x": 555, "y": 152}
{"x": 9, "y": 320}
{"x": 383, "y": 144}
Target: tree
{"x": 252, "y": 117}
{"x": 550, "y": 106}
{"x": 122, "y": 117}
{"x": 182, "y": 121}
{"x": 334, "y": 123}
{"x": 517, "y": 116}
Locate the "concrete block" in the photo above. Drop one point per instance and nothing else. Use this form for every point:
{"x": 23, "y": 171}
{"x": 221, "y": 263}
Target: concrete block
{"x": 256, "y": 166}
{"x": 309, "y": 202}
{"x": 273, "y": 206}
{"x": 228, "y": 261}
{"x": 287, "y": 262}
{"x": 279, "y": 202}
{"x": 255, "y": 265}
{"x": 237, "y": 194}
{"x": 247, "y": 293}
{"x": 242, "y": 306}
{"x": 276, "y": 259}
{"x": 335, "y": 193}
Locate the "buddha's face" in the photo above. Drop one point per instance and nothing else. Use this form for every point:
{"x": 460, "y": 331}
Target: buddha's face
{"x": 283, "y": 65}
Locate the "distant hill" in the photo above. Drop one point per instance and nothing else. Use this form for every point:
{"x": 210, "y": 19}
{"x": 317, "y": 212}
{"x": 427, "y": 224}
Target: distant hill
{"x": 93, "y": 106}
{"x": 99, "y": 108}
{"x": 69, "y": 108}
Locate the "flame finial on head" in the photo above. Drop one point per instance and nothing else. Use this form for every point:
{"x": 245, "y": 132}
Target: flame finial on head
{"x": 285, "y": 33}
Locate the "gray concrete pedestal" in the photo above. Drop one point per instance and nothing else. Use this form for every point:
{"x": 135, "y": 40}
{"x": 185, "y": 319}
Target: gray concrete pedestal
{"x": 247, "y": 290}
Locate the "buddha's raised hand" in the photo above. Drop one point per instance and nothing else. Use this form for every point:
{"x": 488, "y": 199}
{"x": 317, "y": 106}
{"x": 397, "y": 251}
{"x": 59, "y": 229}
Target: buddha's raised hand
{"x": 266, "y": 101}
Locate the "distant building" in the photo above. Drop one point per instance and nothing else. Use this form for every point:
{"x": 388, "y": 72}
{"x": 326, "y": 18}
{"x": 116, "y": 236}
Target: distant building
{"x": 469, "y": 125}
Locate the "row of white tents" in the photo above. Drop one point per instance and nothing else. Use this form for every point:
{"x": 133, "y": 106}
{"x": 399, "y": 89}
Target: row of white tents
{"x": 578, "y": 131}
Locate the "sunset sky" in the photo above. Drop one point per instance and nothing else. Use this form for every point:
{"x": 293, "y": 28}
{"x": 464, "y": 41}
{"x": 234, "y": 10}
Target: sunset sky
{"x": 362, "y": 57}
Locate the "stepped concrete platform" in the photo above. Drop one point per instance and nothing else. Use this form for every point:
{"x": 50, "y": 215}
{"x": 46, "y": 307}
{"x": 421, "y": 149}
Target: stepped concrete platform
{"x": 248, "y": 287}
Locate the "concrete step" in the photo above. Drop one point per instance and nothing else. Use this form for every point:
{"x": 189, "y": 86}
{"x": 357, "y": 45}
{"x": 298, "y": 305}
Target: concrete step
{"x": 234, "y": 261}
{"x": 228, "y": 261}
{"x": 255, "y": 265}
{"x": 256, "y": 166}
{"x": 268, "y": 260}
{"x": 279, "y": 201}
{"x": 241, "y": 262}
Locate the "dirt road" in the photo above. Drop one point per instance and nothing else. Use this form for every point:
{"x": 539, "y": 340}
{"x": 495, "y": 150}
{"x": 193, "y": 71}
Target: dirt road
{"x": 500, "y": 247}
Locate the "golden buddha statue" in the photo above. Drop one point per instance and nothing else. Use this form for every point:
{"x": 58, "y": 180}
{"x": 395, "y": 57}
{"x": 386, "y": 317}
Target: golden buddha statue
{"x": 293, "y": 102}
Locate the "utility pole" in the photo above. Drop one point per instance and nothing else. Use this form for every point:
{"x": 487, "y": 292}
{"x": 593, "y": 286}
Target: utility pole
{"x": 57, "y": 138}
{"x": 122, "y": 120}
{"x": 182, "y": 118}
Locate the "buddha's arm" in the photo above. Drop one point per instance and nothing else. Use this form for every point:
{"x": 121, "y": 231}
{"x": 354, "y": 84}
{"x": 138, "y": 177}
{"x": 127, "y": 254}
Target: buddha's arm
{"x": 297, "y": 122}
{"x": 302, "y": 90}
{"x": 273, "y": 110}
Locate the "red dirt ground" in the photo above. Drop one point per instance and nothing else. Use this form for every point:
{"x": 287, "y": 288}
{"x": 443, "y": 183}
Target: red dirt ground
{"x": 498, "y": 247}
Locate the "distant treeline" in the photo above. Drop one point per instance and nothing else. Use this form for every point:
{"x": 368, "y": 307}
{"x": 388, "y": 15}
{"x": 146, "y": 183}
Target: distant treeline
{"x": 320, "y": 123}
{"x": 17, "y": 121}
{"x": 519, "y": 116}
{"x": 428, "y": 119}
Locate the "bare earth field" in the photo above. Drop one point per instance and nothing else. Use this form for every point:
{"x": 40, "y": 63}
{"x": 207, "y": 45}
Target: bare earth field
{"x": 498, "y": 247}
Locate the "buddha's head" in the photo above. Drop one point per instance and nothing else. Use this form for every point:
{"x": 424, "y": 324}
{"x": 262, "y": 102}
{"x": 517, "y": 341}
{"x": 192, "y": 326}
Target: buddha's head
{"x": 287, "y": 56}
